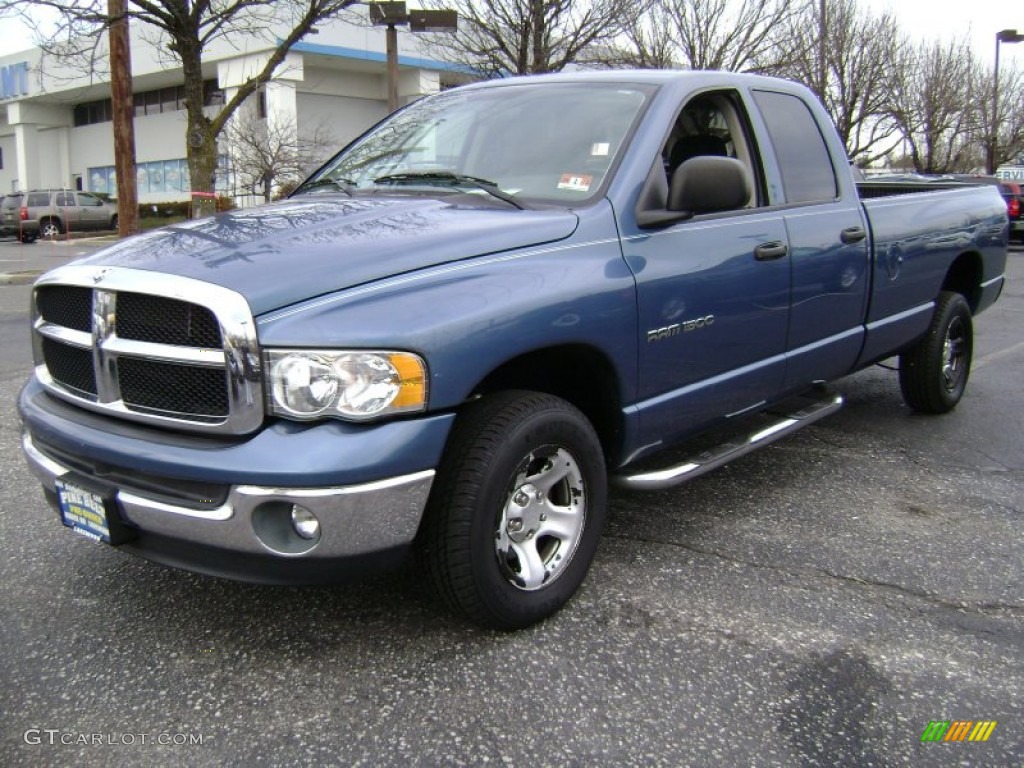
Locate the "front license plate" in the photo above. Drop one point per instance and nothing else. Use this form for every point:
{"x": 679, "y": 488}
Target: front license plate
{"x": 83, "y": 511}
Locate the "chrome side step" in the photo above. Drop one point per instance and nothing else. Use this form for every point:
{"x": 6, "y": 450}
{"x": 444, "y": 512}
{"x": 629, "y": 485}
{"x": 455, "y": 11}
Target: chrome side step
{"x": 713, "y": 458}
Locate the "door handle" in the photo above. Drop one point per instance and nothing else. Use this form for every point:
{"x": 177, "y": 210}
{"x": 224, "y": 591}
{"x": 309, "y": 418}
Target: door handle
{"x": 770, "y": 251}
{"x": 852, "y": 235}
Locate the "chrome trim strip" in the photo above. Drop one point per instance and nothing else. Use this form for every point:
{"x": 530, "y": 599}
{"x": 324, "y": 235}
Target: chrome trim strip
{"x": 240, "y": 353}
{"x": 341, "y": 490}
{"x": 815, "y": 345}
{"x": 104, "y": 323}
{"x": 993, "y": 281}
{"x": 901, "y": 316}
{"x": 222, "y": 512}
{"x": 714, "y": 380}
{"x": 170, "y": 353}
{"x": 42, "y": 466}
{"x": 69, "y": 336}
{"x": 354, "y": 519}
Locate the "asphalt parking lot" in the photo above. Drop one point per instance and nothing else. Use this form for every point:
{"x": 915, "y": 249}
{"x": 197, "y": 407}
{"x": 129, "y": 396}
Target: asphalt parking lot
{"x": 818, "y": 603}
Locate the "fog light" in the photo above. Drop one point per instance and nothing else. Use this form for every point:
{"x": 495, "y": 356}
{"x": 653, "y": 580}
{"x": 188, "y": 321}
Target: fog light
{"x": 304, "y": 522}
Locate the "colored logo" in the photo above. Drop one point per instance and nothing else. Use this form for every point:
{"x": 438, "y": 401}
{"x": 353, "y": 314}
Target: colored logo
{"x": 958, "y": 730}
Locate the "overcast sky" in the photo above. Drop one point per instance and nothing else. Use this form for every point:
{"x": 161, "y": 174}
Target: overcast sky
{"x": 980, "y": 19}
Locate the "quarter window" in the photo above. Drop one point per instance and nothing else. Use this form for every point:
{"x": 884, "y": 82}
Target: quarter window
{"x": 803, "y": 157}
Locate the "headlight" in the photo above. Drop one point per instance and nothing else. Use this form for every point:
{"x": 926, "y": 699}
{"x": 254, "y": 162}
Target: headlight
{"x": 311, "y": 384}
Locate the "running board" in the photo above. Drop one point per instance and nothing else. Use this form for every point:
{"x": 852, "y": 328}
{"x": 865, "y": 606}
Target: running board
{"x": 721, "y": 454}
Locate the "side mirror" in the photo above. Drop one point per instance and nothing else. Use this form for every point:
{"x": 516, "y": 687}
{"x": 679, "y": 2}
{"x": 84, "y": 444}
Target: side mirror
{"x": 708, "y": 184}
{"x": 704, "y": 184}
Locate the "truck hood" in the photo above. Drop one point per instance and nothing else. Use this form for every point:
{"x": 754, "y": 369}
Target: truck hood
{"x": 297, "y": 249}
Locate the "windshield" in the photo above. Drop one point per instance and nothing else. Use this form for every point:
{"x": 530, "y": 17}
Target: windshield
{"x": 545, "y": 142}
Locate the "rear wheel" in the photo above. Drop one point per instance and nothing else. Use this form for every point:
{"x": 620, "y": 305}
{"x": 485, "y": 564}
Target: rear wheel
{"x": 934, "y": 373}
{"x": 50, "y": 228}
{"x": 516, "y": 513}
{"x": 113, "y": 221}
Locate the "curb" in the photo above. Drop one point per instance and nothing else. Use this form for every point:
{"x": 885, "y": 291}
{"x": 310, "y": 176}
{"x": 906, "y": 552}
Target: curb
{"x": 20, "y": 278}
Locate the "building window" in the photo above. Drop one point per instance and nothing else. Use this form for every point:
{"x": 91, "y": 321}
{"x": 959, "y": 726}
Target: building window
{"x": 261, "y": 103}
{"x": 92, "y": 112}
{"x": 212, "y": 95}
{"x": 159, "y": 177}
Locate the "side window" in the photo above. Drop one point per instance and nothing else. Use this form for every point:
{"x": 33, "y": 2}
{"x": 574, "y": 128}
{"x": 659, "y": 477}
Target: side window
{"x": 804, "y": 161}
{"x": 65, "y": 200}
{"x": 711, "y": 124}
{"x": 88, "y": 200}
{"x": 38, "y": 200}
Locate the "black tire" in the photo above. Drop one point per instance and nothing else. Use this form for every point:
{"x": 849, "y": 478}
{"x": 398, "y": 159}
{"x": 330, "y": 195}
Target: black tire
{"x": 483, "y": 503}
{"x": 50, "y": 228}
{"x": 27, "y": 237}
{"x": 113, "y": 222}
{"x": 934, "y": 373}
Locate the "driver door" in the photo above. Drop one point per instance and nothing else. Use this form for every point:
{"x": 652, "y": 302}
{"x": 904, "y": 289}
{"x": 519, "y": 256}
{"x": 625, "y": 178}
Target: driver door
{"x": 713, "y": 291}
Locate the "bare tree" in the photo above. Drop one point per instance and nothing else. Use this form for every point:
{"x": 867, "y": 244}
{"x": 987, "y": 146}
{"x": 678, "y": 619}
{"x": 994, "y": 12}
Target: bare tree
{"x": 932, "y": 105}
{"x": 734, "y": 35}
{"x": 515, "y": 37}
{"x": 849, "y": 58}
{"x": 185, "y": 29}
{"x": 268, "y": 154}
{"x": 1010, "y": 136}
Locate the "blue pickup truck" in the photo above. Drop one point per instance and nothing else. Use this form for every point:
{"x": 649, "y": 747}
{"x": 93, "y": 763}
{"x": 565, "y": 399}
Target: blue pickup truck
{"x": 462, "y": 328}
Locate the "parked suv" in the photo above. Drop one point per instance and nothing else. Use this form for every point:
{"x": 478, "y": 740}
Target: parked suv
{"x": 52, "y": 212}
{"x": 1013, "y": 194}
{"x": 10, "y": 218}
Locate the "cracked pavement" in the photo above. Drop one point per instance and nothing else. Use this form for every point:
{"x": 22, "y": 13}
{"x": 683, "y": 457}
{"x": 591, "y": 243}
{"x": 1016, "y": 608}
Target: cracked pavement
{"x": 817, "y": 603}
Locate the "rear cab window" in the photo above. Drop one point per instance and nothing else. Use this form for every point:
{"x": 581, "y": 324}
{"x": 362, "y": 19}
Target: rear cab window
{"x": 805, "y": 164}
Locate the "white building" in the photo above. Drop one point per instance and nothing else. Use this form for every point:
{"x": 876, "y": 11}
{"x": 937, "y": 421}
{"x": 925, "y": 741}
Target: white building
{"x": 55, "y": 128}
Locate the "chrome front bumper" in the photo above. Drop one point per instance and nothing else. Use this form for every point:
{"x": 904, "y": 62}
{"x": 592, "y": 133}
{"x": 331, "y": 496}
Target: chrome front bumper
{"x": 355, "y": 520}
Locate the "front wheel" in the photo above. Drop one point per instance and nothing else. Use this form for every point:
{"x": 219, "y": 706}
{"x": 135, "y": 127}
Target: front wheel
{"x": 934, "y": 372}
{"x": 516, "y": 513}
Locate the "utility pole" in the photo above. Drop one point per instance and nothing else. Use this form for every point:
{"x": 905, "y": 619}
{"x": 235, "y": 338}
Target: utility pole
{"x": 822, "y": 50}
{"x": 393, "y": 15}
{"x": 124, "y": 119}
{"x": 992, "y": 150}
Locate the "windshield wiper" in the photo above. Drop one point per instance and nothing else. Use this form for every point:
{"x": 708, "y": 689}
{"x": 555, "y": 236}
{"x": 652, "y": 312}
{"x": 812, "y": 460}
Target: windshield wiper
{"x": 488, "y": 186}
{"x": 345, "y": 185}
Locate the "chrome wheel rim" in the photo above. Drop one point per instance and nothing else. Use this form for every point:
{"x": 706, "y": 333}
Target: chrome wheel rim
{"x": 50, "y": 230}
{"x": 954, "y": 355}
{"x": 543, "y": 518}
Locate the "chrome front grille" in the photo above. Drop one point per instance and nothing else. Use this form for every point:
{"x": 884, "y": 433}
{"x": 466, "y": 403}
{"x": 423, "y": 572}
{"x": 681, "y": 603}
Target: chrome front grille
{"x": 148, "y": 347}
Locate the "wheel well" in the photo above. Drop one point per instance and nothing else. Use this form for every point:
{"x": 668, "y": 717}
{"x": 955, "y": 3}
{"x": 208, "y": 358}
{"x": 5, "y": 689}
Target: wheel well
{"x": 579, "y": 374}
{"x": 964, "y": 277}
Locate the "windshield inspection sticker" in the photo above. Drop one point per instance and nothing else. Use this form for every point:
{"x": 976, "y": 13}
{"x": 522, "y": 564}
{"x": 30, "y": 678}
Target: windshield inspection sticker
{"x": 576, "y": 182}
{"x": 600, "y": 149}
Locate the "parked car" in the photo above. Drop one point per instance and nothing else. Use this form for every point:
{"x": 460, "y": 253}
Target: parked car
{"x": 1013, "y": 194}
{"x": 10, "y": 218}
{"x": 52, "y": 212}
{"x": 479, "y": 314}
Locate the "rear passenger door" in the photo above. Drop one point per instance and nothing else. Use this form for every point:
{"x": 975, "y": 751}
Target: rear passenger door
{"x": 828, "y": 239}
{"x": 67, "y": 211}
